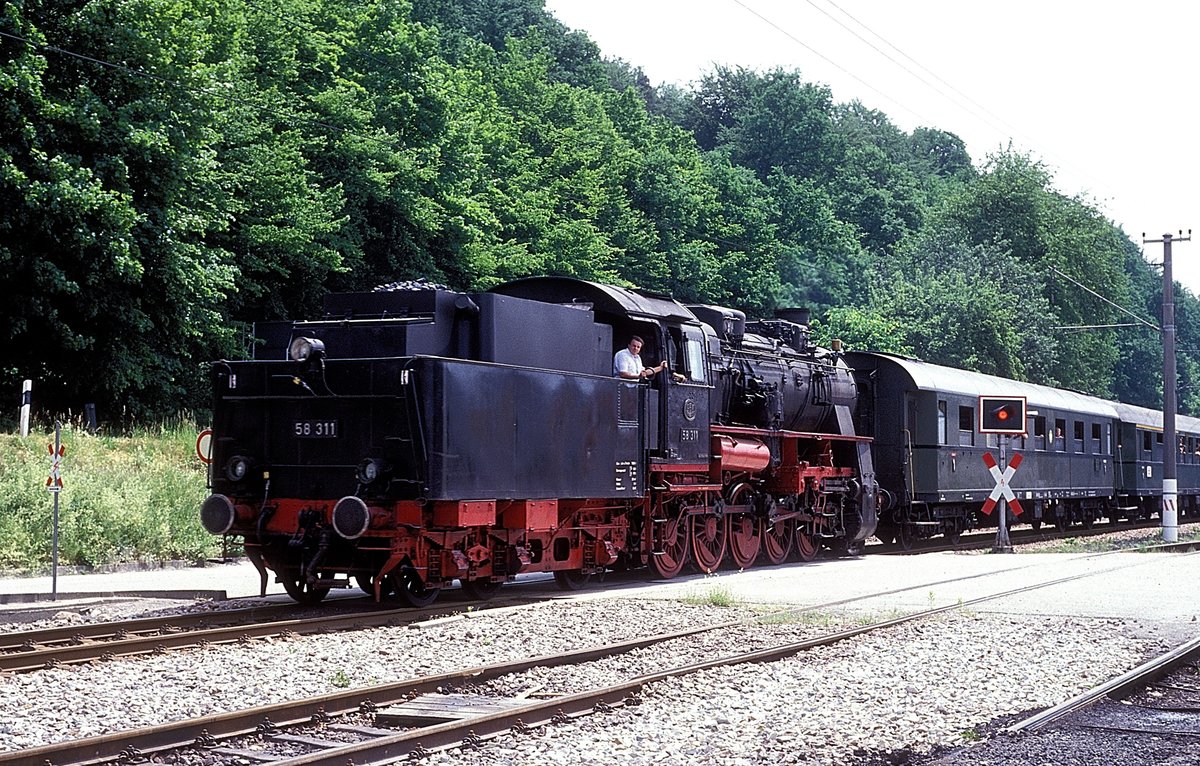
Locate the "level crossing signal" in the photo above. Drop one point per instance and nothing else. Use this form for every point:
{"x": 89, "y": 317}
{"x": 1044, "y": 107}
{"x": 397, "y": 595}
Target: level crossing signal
{"x": 1002, "y": 415}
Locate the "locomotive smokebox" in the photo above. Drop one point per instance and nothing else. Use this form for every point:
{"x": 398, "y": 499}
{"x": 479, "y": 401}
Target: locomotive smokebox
{"x": 798, "y": 315}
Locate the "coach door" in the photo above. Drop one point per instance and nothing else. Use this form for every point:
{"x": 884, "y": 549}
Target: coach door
{"x": 685, "y": 395}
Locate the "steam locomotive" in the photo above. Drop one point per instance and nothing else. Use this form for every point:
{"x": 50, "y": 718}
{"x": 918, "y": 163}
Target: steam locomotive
{"x": 414, "y": 437}
{"x": 411, "y": 438}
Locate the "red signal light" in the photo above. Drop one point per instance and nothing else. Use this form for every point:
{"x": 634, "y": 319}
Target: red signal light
{"x": 1002, "y": 414}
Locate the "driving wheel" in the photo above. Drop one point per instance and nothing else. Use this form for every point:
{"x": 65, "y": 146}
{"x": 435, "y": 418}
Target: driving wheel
{"x": 411, "y": 590}
{"x": 303, "y": 593}
{"x": 777, "y": 540}
{"x": 708, "y": 541}
{"x": 806, "y": 544}
{"x": 670, "y": 546}
{"x": 745, "y": 540}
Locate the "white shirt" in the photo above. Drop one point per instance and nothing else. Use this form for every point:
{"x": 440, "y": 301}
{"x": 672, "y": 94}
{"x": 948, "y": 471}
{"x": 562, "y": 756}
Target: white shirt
{"x": 627, "y": 361}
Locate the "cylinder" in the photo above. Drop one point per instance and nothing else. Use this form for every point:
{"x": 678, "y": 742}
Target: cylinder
{"x": 742, "y": 454}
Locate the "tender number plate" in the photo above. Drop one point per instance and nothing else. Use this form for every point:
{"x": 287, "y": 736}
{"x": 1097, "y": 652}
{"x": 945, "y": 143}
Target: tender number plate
{"x": 315, "y": 429}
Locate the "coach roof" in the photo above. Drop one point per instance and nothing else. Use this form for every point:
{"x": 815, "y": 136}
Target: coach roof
{"x": 934, "y": 377}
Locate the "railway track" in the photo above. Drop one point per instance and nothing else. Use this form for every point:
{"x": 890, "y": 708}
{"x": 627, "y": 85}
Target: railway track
{"x": 308, "y": 726}
{"x": 26, "y": 651}
{"x": 1175, "y": 670}
{"x": 1150, "y": 714}
{"x": 983, "y": 539}
{"x": 31, "y": 650}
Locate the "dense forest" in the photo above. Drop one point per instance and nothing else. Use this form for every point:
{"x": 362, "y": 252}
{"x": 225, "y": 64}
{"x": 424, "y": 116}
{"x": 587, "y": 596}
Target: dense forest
{"x": 172, "y": 170}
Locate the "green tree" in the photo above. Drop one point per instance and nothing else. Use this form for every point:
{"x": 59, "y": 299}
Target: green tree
{"x": 109, "y": 190}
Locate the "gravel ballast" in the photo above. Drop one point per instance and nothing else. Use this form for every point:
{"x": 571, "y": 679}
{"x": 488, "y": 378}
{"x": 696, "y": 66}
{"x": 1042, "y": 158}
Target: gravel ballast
{"x": 913, "y": 688}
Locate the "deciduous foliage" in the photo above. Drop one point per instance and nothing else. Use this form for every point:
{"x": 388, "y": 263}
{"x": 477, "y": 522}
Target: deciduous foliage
{"x": 172, "y": 170}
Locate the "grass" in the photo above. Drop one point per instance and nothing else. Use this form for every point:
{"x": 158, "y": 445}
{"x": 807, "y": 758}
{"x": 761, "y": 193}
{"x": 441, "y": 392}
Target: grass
{"x": 716, "y": 595}
{"x": 125, "y": 499}
{"x": 802, "y": 616}
{"x": 1101, "y": 544}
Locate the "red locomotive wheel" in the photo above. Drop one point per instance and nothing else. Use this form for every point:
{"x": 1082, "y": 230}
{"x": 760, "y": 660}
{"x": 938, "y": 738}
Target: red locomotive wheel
{"x": 480, "y": 590}
{"x": 411, "y": 591}
{"x": 777, "y": 540}
{"x": 303, "y": 593}
{"x": 806, "y": 545}
{"x": 571, "y": 579}
{"x": 671, "y": 549}
{"x": 745, "y": 540}
{"x": 708, "y": 541}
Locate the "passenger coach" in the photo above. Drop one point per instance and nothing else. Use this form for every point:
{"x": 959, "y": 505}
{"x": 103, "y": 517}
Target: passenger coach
{"x": 929, "y": 451}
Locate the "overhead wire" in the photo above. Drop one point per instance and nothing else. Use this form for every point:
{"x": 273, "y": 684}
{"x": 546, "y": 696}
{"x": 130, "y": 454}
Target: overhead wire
{"x": 988, "y": 118}
{"x": 827, "y": 60}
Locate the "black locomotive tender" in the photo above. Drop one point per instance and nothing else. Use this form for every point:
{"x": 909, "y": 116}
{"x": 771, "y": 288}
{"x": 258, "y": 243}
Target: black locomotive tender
{"x": 411, "y": 438}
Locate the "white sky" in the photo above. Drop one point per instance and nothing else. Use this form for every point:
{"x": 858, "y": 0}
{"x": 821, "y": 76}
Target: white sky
{"x": 1103, "y": 93}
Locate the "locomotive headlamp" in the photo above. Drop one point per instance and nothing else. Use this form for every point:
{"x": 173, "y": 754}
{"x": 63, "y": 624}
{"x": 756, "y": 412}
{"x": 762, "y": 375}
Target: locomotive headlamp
{"x": 302, "y": 349}
{"x": 237, "y": 467}
{"x": 369, "y": 470}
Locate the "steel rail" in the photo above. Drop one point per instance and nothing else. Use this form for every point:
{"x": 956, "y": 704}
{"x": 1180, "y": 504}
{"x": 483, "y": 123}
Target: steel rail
{"x": 202, "y": 731}
{"x": 454, "y": 733}
{"x": 41, "y": 658}
{"x": 242, "y": 722}
{"x": 23, "y": 640}
{"x": 1118, "y": 688}
{"x": 982, "y": 538}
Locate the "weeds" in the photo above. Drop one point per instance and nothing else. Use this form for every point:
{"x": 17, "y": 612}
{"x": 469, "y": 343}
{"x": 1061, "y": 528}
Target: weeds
{"x": 800, "y": 617}
{"x": 1146, "y": 541}
{"x": 124, "y": 499}
{"x": 716, "y": 595}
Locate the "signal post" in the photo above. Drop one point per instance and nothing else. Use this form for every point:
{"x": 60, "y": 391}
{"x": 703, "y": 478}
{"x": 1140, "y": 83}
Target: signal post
{"x": 1004, "y": 416}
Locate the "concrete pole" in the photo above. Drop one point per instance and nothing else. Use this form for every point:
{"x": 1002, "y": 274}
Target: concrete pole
{"x": 1170, "y": 497}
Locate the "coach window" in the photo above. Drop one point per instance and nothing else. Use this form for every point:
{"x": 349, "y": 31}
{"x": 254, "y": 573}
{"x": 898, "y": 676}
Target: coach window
{"x": 1079, "y": 436}
{"x": 1060, "y": 434}
{"x": 1096, "y": 439}
{"x": 966, "y": 426}
{"x": 1039, "y": 433}
{"x": 1146, "y": 441}
{"x": 942, "y": 423}
{"x": 1108, "y": 438}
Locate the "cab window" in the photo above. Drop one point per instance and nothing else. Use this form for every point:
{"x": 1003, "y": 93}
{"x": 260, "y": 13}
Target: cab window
{"x": 694, "y": 350}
